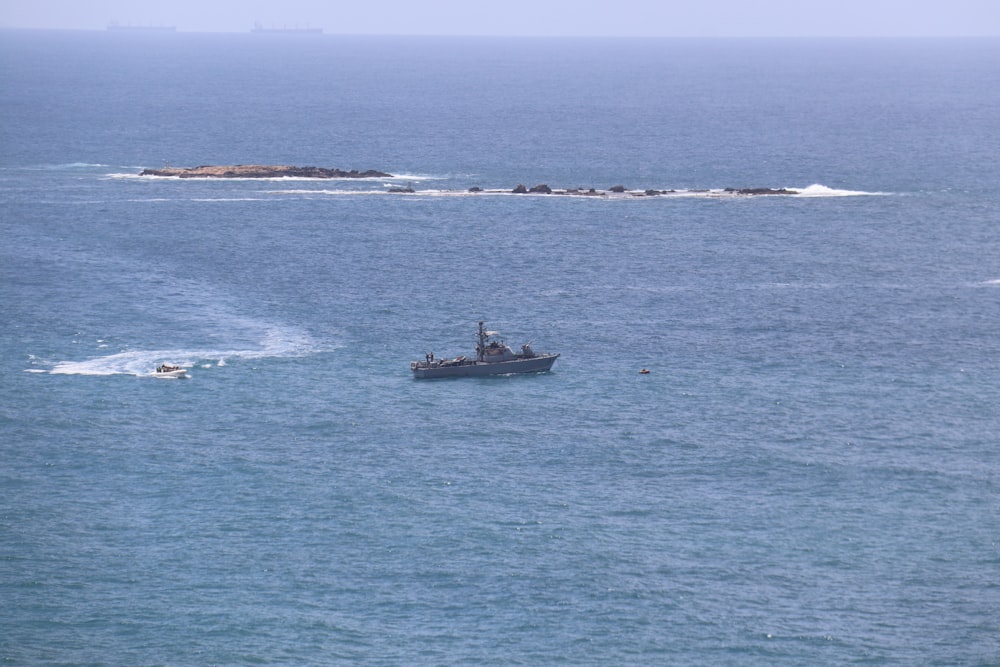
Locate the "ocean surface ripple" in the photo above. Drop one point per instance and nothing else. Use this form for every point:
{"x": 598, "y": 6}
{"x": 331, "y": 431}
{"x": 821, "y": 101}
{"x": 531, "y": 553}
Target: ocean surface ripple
{"x": 808, "y": 474}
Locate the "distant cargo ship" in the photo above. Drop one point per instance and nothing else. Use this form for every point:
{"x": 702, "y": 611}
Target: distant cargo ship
{"x": 259, "y": 29}
{"x": 114, "y": 25}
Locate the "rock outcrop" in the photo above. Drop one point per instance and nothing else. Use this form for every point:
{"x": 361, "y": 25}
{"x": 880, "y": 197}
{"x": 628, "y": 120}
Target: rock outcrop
{"x": 261, "y": 171}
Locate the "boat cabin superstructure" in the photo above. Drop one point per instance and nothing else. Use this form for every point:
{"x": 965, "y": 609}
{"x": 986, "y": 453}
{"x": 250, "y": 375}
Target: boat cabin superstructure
{"x": 492, "y": 349}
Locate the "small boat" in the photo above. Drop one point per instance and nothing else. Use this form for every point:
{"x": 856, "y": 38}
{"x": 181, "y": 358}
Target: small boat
{"x": 493, "y": 357}
{"x": 168, "y": 371}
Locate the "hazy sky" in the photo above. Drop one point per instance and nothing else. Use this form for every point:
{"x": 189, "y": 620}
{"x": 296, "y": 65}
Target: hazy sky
{"x": 689, "y": 18}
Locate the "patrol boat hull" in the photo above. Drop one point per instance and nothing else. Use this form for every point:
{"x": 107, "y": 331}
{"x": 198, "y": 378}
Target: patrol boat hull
{"x": 469, "y": 368}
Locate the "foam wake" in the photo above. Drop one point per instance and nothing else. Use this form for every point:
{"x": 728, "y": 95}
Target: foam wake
{"x": 276, "y": 343}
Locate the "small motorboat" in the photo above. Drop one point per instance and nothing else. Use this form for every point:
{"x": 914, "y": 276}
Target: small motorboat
{"x": 168, "y": 371}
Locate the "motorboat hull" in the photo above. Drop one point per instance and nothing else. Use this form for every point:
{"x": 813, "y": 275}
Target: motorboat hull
{"x": 174, "y": 375}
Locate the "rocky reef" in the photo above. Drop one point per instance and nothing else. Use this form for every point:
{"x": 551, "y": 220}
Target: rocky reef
{"x": 260, "y": 171}
{"x": 544, "y": 189}
{"x": 761, "y": 191}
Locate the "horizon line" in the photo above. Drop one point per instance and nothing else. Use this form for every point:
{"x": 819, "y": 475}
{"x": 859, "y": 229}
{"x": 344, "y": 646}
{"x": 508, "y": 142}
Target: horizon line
{"x": 174, "y": 29}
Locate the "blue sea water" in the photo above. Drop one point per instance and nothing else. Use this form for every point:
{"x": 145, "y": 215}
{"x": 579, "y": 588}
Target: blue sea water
{"x": 809, "y": 475}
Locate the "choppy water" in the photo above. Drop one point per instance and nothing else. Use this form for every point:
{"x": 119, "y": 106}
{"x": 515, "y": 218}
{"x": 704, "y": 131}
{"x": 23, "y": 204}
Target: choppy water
{"x": 808, "y": 475}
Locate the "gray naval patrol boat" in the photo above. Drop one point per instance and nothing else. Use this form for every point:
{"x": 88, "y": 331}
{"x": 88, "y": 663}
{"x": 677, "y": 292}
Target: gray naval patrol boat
{"x": 493, "y": 357}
